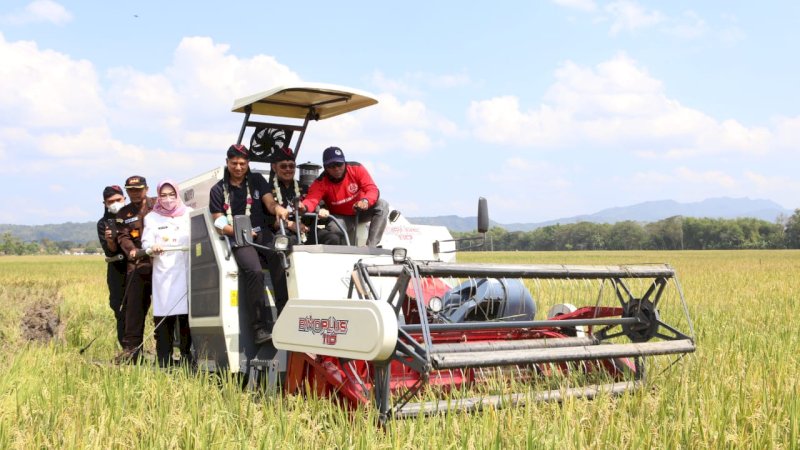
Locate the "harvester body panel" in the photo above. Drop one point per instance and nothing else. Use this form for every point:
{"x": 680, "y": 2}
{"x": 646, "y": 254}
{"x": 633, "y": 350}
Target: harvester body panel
{"x": 353, "y": 329}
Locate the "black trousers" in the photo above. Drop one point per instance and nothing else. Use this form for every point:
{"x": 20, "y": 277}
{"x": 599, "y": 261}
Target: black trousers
{"x": 137, "y": 303}
{"x": 165, "y": 338}
{"x": 325, "y": 236}
{"x": 115, "y": 279}
{"x": 251, "y": 261}
{"x": 377, "y": 216}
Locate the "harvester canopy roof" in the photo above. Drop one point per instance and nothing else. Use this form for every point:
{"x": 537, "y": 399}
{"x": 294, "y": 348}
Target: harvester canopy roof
{"x": 297, "y": 100}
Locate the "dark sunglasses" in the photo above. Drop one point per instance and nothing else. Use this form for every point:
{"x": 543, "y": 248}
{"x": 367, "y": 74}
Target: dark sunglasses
{"x": 334, "y": 165}
{"x": 286, "y": 166}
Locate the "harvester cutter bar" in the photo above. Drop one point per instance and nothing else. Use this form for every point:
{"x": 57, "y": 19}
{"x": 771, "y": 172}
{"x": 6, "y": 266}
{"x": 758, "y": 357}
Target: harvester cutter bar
{"x": 558, "y": 354}
{"x": 411, "y": 410}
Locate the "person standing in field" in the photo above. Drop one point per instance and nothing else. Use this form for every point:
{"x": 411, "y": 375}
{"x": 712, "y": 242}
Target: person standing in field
{"x": 130, "y": 224}
{"x": 242, "y": 192}
{"x": 113, "y": 201}
{"x": 350, "y": 194}
{"x": 166, "y": 227}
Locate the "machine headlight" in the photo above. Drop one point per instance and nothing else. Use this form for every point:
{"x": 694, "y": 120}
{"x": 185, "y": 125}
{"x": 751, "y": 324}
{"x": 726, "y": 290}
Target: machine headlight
{"x": 435, "y": 304}
{"x": 399, "y": 254}
{"x": 281, "y": 242}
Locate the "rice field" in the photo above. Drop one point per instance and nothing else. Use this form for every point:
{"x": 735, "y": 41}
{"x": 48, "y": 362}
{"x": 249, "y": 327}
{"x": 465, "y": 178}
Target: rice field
{"x": 739, "y": 390}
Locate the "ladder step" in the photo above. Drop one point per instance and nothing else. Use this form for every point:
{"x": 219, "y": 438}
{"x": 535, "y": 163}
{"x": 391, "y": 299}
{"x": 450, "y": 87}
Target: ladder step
{"x": 489, "y": 358}
{"x": 498, "y": 401}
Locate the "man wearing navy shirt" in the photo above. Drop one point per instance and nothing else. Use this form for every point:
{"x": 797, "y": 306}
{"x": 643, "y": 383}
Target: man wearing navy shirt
{"x": 242, "y": 192}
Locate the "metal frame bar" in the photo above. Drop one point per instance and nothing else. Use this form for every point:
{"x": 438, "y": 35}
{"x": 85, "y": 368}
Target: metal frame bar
{"x": 551, "y": 271}
{"x": 469, "y": 326}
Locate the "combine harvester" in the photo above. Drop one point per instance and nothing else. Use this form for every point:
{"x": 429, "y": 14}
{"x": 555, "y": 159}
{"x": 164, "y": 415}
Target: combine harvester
{"x": 406, "y": 328}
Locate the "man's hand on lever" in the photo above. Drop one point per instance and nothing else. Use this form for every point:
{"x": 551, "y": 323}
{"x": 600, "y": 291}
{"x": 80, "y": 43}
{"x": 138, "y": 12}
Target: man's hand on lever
{"x": 282, "y": 213}
{"x": 362, "y": 205}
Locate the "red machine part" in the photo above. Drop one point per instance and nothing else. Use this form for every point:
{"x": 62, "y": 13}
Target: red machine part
{"x": 351, "y": 381}
{"x": 431, "y": 287}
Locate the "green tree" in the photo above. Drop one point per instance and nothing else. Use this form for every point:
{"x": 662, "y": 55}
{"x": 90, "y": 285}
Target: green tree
{"x": 626, "y": 235}
{"x": 792, "y": 231}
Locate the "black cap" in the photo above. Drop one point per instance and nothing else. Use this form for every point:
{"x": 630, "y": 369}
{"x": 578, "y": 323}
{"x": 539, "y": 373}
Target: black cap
{"x": 110, "y": 191}
{"x": 135, "y": 182}
{"x": 238, "y": 151}
{"x": 283, "y": 154}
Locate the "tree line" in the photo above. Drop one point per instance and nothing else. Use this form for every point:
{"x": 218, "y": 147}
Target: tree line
{"x": 673, "y": 233}
{"x": 12, "y": 245}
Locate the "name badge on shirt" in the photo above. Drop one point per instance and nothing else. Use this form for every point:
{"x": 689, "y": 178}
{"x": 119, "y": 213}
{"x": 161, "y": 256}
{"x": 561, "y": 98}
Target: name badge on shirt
{"x": 131, "y": 220}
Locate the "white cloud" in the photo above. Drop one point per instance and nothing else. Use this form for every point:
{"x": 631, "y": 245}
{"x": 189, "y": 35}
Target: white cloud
{"x": 689, "y": 26}
{"x": 631, "y": 16}
{"x": 580, "y": 5}
{"x": 393, "y": 125}
{"x": 783, "y": 188}
{"x": 50, "y": 89}
{"x": 615, "y": 105}
{"x": 175, "y": 121}
{"x": 627, "y": 15}
{"x": 38, "y": 11}
{"x": 190, "y": 99}
{"x": 395, "y": 86}
{"x": 711, "y": 177}
{"x": 731, "y": 33}
{"x": 679, "y": 183}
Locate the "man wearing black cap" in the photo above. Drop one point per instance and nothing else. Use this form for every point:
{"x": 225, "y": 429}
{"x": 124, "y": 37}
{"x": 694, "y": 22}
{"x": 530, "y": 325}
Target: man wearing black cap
{"x": 130, "y": 225}
{"x": 285, "y": 192}
{"x": 349, "y": 192}
{"x": 113, "y": 201}
{"x": 242, "y": 192}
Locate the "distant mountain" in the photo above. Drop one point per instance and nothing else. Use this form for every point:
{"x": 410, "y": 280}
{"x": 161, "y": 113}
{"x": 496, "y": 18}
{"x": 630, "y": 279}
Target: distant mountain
{"x": 70, "y": 231}
{"x": 723, "y": 207}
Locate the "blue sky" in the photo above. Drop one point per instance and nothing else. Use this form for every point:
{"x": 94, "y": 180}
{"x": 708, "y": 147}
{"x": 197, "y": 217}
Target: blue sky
{"x": 549, "y": 109}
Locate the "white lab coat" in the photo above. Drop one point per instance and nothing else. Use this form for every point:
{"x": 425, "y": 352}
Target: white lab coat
{"x": 170, "y": 269}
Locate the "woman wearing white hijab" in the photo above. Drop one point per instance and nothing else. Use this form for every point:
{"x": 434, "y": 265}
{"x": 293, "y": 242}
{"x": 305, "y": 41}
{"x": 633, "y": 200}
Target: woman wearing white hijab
{"x": 167, "y": 225}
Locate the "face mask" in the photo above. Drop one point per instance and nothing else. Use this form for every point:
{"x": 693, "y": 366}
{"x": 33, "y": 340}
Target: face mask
{"x": 115, "y": 207}
{"x": 168, "y": 203}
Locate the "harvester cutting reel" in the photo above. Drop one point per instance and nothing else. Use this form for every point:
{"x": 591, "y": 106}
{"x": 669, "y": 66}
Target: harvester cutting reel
{"x": 492, "y": 332}
{"x": 647, "y": 324}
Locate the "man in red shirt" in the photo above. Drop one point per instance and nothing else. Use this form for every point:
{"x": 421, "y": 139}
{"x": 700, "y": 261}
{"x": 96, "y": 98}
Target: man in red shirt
{"x": 348, "y": 190}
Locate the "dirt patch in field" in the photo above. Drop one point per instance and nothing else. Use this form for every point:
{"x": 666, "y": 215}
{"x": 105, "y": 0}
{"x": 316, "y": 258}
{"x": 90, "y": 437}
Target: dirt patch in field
{"x": 40, "y": 323}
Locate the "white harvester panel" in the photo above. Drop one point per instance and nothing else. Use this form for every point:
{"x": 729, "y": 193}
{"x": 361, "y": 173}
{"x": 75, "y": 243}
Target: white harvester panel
{"x": 355, "y": 329}
{"x": 324, "y": 271}
{"x": 221, "y": 331}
